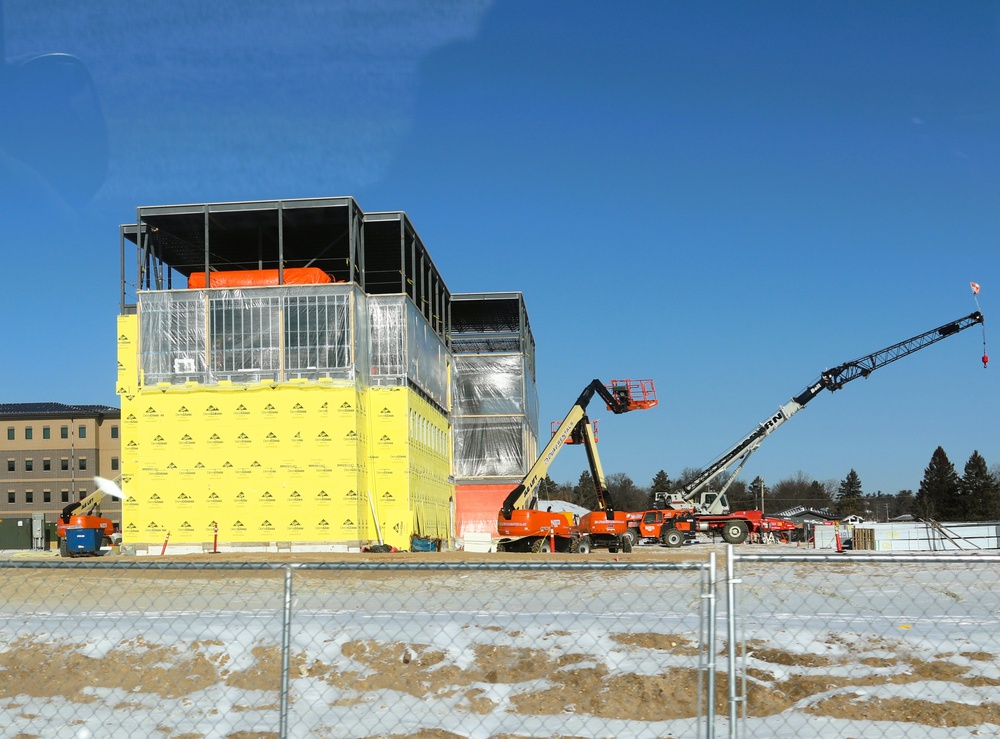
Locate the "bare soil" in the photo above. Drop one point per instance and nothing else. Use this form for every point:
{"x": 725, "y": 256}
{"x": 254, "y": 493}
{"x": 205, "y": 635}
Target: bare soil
{"x": 576, "y": 682}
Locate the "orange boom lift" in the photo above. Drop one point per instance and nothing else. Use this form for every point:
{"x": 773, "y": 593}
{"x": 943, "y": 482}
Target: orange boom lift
{"x": 525, "y": 528}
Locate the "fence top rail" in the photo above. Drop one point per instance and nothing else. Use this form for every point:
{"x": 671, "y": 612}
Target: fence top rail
{"x": 852, "y": 558}
{"x": 592, "y": 566}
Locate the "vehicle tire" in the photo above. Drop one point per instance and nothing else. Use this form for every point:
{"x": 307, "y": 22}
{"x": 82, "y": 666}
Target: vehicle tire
{"x": 672, "y": 538}
{"x": 632, "y": 534}
{"x": 581, "y": 545}
{"x": 542, "y": 545}
{"x": 501, "y": 547}
{"x": 63, "y": 549}
{"x": 735, "y": 532}
{"x": 626, "y": 544}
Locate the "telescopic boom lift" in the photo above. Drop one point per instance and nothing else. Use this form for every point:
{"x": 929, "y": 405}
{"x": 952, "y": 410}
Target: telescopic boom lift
{"x": 523, "y": 527}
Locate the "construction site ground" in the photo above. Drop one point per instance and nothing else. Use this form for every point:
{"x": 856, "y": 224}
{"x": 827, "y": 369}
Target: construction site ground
{"x": 789, "y": 684}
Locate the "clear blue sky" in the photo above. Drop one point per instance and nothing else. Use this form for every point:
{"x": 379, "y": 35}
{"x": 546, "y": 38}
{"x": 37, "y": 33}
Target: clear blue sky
{"x": 725, "y": 197}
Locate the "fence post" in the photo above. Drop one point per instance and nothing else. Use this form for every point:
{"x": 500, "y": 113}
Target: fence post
{"x": 710, "y": 647}
{"x": 286, "y": 648}
{"x": 731, "y": 637}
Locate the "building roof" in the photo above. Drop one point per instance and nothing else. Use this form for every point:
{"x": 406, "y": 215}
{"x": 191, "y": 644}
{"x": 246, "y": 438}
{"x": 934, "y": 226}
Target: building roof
{"x": 56, "y": 410}
{"x": 806, "y": 511}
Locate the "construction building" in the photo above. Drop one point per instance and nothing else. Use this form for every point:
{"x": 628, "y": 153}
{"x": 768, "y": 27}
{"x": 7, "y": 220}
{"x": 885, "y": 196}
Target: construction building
{"x": 53, "y": 451}
{"x": 297, "y": 374}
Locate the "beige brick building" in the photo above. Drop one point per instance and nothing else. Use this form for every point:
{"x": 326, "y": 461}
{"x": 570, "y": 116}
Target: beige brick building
{"x": 51, "y": 453}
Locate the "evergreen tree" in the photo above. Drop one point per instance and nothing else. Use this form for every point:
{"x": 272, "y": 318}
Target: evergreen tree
{"x": 821, "y": 494}
{"x": 937, "y": 496}
{"x": 902, "y": 504}
{"x": 849, "y": 496}
{"x": 547, "y": 489}
{"x": 757, "y": 491}
{"x": 585, "y": 492}
{"x": 979, "y": 493}
{"x": 661, "y": 483}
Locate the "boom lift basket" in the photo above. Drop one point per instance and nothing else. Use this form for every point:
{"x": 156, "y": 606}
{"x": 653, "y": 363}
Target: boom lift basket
{"x": 634, "y": 394}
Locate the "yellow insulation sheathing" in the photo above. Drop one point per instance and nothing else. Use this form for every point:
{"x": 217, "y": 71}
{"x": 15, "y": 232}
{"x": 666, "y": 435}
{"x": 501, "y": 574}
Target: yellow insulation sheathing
{"x": 285, "y": 463}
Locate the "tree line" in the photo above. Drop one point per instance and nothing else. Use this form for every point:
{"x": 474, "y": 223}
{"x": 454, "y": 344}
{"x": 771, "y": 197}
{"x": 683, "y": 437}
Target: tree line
{"x": 943, "y": 494}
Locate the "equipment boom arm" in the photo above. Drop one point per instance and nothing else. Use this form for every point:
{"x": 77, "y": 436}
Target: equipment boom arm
{"x": 832, "y": 379}
{"x": 617, "y": 399}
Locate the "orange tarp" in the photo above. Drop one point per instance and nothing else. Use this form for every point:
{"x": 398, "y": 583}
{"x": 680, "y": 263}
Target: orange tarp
{"x": 260, "y": 277}
{"x": 477, "y": 507}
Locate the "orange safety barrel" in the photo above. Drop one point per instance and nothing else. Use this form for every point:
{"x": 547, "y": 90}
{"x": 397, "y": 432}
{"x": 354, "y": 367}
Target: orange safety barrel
{"x": 260, "y": 277}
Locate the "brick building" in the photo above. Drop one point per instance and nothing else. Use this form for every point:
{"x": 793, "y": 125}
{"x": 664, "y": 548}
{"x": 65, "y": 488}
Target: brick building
{"x": 52, "y": 453}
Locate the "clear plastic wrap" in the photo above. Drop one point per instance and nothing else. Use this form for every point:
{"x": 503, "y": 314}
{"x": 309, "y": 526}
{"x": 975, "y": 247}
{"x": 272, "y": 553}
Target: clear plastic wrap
{"x": 492, "y": 446}
{"x": 249, "y": 335}
{"x": 173, "y": 337}
{"x": 404, "y": 348}
{"x": 495, "y": 415}
{"x": 489, "y": 385}
{"x": 388, "y": 340}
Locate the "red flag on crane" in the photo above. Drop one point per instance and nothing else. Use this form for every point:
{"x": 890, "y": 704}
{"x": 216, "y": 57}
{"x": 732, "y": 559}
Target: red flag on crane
{"x": 975, "y": 288}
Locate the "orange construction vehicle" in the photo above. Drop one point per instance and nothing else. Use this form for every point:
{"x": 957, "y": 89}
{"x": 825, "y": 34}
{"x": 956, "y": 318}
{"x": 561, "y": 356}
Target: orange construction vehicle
{"x": 523, "y": 527}
{"x": 81, "y": 529}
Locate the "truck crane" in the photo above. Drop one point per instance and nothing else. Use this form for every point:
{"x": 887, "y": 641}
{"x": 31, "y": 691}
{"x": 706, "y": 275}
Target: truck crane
{"x": 81, "y": 529}
{"x": 694, "y": 507}
{"x": 520, "y": 523}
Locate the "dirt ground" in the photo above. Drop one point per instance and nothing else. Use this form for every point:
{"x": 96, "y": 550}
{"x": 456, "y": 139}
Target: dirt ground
{"x": 577, "y": 682}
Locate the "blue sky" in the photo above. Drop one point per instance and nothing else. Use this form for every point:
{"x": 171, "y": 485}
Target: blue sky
{"x": 725, "y": 197}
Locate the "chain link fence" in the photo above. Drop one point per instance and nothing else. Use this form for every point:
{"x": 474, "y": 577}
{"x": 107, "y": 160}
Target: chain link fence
{"x": 103, "y": 648}
{"x": 850, "y": 645}
{"x": 825, "y": 645}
